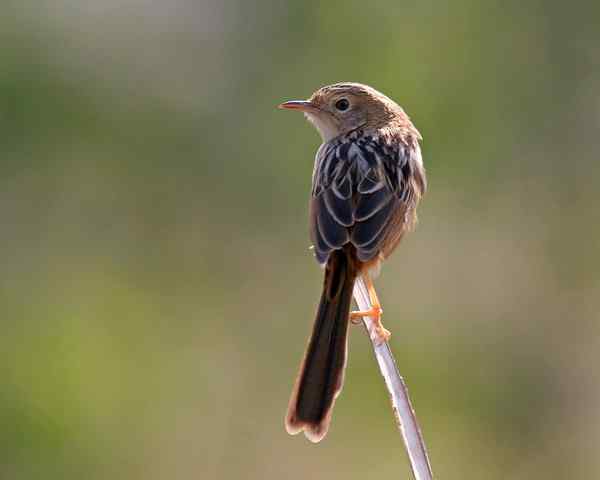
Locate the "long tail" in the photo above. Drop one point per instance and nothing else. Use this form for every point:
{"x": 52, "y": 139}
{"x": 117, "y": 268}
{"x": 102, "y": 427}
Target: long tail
{"x": 321, "y": 374}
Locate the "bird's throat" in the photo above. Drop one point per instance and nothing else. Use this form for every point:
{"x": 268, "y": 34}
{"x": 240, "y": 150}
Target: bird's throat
{"x": 325, "y": 125}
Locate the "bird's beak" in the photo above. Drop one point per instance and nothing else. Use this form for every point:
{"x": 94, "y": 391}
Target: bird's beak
{"x": 302, "y": 105}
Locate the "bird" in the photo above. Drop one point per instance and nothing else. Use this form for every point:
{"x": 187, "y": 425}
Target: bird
{"x": 367, "y": 180}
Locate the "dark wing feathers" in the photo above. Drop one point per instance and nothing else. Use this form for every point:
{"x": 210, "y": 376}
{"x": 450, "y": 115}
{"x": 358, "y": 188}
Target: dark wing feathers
{"x": 361, "y": 186}
{"x": 370, "y": 183}
{"x": 334, "y": 233}
{"x": 367, "y": 231}
{"x": 339, "y": 207}
{"x": 369, "y": 204}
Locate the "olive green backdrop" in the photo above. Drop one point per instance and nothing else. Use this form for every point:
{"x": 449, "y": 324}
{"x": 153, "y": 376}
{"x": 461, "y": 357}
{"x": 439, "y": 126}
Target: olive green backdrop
{"x": 157, "y": 288}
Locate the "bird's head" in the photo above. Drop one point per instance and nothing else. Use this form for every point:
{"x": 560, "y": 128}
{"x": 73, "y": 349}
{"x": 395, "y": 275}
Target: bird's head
{"x": 342, "y": 107}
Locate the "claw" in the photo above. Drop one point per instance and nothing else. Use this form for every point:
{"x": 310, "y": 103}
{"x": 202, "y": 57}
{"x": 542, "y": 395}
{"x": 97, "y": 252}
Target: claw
{"x": 379, "y": 334}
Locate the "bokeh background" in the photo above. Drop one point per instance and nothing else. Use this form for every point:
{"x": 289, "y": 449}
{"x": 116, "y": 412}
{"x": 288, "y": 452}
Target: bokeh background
{"x": 157, "y": 288}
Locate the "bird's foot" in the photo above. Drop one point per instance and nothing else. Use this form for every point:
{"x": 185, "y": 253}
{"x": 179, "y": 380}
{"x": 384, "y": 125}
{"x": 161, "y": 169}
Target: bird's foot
{"x": 374, "y": 312}
{"x": 379, "y": 334}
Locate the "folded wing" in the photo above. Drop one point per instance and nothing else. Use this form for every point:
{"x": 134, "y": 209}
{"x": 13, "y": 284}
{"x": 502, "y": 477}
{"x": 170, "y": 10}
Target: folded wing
{"x": 361, "y": 189}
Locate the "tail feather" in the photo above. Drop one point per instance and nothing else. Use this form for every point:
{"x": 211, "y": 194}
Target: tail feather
{"x": 321, "y": 375}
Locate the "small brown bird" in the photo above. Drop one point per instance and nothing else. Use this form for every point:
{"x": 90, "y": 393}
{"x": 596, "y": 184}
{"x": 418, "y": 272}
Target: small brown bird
{"x": 367, "y": 180}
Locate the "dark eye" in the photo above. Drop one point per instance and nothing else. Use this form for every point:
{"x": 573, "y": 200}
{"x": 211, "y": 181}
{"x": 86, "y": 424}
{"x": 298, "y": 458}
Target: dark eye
{"x": 342, "y": 104}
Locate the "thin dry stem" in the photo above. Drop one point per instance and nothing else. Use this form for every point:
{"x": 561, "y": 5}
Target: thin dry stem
{"x": 403, "y": 410}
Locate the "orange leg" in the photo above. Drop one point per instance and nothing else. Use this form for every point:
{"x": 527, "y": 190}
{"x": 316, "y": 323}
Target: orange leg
{"x": 375, "y": 312}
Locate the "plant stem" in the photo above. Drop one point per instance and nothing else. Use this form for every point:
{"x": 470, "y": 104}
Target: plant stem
{"x": 403, "y": 410}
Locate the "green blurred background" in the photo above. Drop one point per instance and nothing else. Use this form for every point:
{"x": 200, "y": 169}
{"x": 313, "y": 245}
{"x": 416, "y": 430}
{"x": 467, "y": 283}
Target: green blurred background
{"x": 157, "y": 289}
